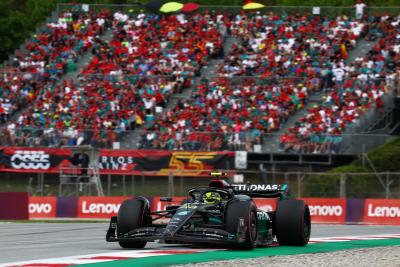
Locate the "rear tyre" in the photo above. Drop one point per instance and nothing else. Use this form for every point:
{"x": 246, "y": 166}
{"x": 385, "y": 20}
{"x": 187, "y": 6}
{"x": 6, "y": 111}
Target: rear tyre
{"x": 131, "y": 215}
{"x": 292, "y": 223}
{"x": 248, "y": 211}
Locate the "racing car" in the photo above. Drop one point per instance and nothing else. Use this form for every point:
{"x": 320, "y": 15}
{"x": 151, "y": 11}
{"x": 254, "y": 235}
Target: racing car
{"x": 218, "y": 214}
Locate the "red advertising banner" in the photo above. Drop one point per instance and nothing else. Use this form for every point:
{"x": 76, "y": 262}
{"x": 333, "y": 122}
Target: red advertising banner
{"x": 132, "y": 161}
{"x": 154, "y": 162}
{"x": 266, "y": 204}
{"x": 382, "y": 211}
{"x": 327, "y": 210}
{"x": 14, "y": 206}
{"x": 160, "y": 205}
{"x": 99, "y": 207}
{"x": 42, "y": 207}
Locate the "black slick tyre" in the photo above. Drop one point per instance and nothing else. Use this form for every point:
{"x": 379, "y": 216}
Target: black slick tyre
{"x": 248, "y": 211}
{"x": 292, "y": 223}
{"x": 131, "y": 215}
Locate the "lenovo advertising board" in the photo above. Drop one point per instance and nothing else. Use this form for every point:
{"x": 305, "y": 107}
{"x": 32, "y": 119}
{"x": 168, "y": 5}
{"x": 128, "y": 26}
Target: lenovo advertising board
{"x": 99, "y": 207}
{"x": 42, "y": 207}
{"x": 382, "y": 211}
{"x": 327, "y": 210}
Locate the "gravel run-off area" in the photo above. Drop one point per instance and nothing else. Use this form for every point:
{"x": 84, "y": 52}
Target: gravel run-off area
{"x": 379, "y": 256}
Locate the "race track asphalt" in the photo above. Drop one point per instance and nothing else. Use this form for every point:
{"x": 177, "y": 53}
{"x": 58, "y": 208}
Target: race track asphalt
{"x": 30, "y": 241}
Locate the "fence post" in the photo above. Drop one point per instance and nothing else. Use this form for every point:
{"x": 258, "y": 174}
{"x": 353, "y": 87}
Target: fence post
{"x": 387, "y": 187}
{"x": 363, "y": 155}
{"x": 287, "y": 178}
{"x": 109, "y": 185}
{"x": 298, "y": 185}
{"x": 142, "y": 182}
{"x": 123, "y": 185}
{"x": 181, "y": 185}
{"x": 41, "y": 183}
{"x": 273, "y": 174}
{"x": 263, "y": 174}
{"x": 170, "y": 184}
{"x": 133, "y": 185}
{"x": 343, "y": 178}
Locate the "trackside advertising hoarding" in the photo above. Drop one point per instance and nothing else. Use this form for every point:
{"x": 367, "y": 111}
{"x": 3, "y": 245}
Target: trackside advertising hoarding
{"x": 99, "y": 207}
{"x": 323, "y": 210}
{"x": 327, "y": 210}
{"x": 42, "y": 207}
{"x": 14, "y": 206}
{"x": 382, "y": 211}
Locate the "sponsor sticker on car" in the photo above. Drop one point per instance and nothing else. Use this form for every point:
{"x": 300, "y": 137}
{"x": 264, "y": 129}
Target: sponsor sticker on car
{"x": 266, "y": 204}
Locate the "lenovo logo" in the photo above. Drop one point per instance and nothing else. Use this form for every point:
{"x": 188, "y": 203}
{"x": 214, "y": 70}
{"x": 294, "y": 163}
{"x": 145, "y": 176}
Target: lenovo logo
{"x": 40, "y": 208}
{"x": 99, "y": 208}
{"x": 383, "y": 211}
{"x": 325, "y": 210}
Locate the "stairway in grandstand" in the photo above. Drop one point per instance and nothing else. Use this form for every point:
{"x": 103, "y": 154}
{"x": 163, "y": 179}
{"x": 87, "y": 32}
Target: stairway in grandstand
{"x": 131, "y": 139}
{"x": 86, "y": 58}
{"x": 272, "y": 143}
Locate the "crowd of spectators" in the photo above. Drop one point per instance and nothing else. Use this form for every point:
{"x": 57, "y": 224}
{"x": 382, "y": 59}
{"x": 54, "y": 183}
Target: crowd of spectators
{"x": 233, "y": 113}
{"x": 269, "y": 73}
{"x": 361, "y": 85}
{"x": 158, "y": 45}
{"x": 289, "y": 45}
{"x": 47, "y": 55}
{"x": 127, "y": 82}
{"x": 283, "y": 58}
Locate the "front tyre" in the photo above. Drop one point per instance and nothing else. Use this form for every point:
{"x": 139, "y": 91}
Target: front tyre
{"x": 292, "y": 223}
{"x": 131, "y": 215}
{"x": 248, "y": 211}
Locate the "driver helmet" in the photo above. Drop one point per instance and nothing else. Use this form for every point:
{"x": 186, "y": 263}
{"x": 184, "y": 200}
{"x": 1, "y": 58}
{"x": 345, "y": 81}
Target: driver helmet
{"x": 212, "y": 198}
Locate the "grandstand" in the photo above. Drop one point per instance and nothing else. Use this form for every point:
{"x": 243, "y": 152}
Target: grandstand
{"x": 269, "y": 82}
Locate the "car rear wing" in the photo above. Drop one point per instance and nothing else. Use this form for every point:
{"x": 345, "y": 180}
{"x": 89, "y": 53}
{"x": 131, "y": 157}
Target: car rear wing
{"x": 262, "y": 190}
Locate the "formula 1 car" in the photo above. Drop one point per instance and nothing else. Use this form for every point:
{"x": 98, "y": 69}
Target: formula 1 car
{"x": 219, "y": 214}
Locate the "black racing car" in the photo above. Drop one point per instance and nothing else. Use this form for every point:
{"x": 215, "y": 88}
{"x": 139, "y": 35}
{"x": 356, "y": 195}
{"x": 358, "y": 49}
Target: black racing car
{"x": 221, "y": 213}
